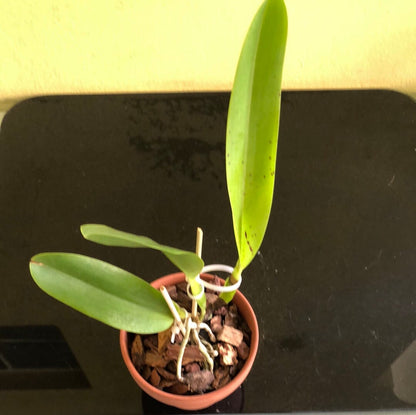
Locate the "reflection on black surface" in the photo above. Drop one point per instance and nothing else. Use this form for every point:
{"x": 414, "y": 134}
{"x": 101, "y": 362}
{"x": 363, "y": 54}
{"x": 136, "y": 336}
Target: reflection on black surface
{"x": 400, "y": 378}
{"x": 233, "y": 404}
{"x": 37, "y": 357}
{"x": 333, "y": 287}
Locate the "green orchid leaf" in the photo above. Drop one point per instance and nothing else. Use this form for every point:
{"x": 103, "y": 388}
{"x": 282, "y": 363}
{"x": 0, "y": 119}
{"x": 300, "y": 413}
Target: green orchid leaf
{"x": 188, "y": 262}
{"x": 252, "y": 128}
{"x": 102, "y": 291}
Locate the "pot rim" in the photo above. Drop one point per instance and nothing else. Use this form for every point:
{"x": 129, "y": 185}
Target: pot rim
{"x": 195, "y": 402}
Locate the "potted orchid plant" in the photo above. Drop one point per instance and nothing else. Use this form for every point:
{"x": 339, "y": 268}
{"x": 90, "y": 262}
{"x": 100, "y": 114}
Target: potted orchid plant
{"x": 192, "y": 313}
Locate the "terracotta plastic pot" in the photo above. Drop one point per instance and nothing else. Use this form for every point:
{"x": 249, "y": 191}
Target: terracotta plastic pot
{"x": 196, "y": 402}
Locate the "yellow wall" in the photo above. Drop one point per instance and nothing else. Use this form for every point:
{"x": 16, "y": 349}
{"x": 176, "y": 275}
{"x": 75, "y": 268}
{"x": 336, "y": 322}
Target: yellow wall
{"x": 105, "y": 46}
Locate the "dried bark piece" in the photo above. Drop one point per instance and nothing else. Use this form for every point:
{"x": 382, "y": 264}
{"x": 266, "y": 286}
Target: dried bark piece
{"x": 232, "y": 318}
{"x": 199, "y": 381}
{"x": 163, "y": 338}
{"x": 181, "y": 287}
{"x": 230, "y": 335}
{"x": 178, "y": 338}
{"x": 166, "y": 374}
{"x": 167, "y": 383}
{"x": 236, "y": 368}
{"x": 227, "y": 364}
{"x": 246, "y": 330}
{"x": 155, "y": 359}
{"x": 154, "y": 378}
{"x": 173, "y": 293}
{"x": 151, "y": 342}
{"x": 192, "y": 367}
{"x": 178, "y": 388}
{"x": 228, "y": 355}
{"x": 184, "y": 300}
{"x": 191, "y": 354}
{"x": 216, "y": 324}
{"x": 216, "y": 281}
{"x": 222, "y": 311}
{"x": 211, "y": 298}
{"x": 171, "y": 367}
{"x": 222, "y": 377}
{"x": 243, "y": 350}
{"x": 137, "y": 352}
{"x": 219, "y": 304}
{"x": 146, "y": 372}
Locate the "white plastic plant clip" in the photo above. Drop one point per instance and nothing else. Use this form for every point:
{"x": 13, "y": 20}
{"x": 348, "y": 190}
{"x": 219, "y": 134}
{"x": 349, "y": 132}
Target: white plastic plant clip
{"x": 219, "y": 288}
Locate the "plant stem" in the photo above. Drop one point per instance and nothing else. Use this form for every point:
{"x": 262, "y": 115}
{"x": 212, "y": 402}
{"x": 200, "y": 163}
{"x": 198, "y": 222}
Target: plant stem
{"x": 232, "y": 279}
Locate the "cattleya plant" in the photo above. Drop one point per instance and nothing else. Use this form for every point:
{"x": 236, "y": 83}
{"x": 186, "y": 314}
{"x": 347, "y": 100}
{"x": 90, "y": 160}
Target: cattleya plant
{"x": 123, "y": 300}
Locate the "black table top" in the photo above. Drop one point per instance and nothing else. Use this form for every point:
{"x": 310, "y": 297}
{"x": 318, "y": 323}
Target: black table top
{"x": 334, "y": 283}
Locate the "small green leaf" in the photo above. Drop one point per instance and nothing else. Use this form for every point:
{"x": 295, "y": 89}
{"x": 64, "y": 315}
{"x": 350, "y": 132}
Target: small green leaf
{"x": 188, "y": 262}
{"x": 252, "y": 127}
{"x": 102, "y": 291}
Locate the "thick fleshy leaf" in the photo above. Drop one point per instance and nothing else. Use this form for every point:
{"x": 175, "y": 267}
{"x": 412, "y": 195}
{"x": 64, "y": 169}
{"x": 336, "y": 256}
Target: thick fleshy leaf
{"x": 102, "y": 291}
{"x": 252, "y": 127}
{"x": 188, "y": 262}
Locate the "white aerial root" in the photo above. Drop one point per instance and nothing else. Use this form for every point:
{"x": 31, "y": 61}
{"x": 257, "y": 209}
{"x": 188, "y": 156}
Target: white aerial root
{"x": 190, "y": 324}
{"x": 182, "y": 349}
{"x": 178, "y": 322}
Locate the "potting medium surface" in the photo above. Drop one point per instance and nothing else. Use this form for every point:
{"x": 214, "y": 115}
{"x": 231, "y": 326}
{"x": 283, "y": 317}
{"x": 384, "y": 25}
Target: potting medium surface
{"x": 333, "y": 285}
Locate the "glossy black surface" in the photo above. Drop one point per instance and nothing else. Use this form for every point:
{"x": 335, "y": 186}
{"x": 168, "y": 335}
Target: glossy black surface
{"x": 333, "y": 285}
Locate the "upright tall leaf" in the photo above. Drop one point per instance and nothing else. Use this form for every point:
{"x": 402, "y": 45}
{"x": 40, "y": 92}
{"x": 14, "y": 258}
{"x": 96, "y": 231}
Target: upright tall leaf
{"x": 252, "y": 128}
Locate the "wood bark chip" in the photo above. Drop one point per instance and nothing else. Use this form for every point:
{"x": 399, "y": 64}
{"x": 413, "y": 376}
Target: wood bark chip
{"x": 211, "y": 298}
{"x": 178, "y": 388}
{"x": 137, "y": 351}
{"x": 155, "y": 357}
{"x": 151, "y": 342}
{"x": 154, "y": 378}
{"x": 215, "y": 281}
{"x": 216, "y": 324}
{"x": 166, "y": 374}
{"x": 228, "y": 355}
{"x": 167, "y": 383}
{"x": 222, "y": 311}
{"x": 232, "y": 318}
{"x": 222, "y": 376}
{"x": 163, "y": 339}
{"x": 173, "y": 294}
{"x": 192, "y": 353}
{"x": 146, "y": 372}
{"x": 184, "y": 300}
{"x": 243, "y": 351}
{"x": 230, "y": 335}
